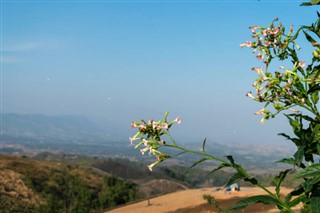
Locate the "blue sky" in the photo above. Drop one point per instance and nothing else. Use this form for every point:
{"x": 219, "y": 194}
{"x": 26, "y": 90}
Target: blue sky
{"x": 118, "y": 61}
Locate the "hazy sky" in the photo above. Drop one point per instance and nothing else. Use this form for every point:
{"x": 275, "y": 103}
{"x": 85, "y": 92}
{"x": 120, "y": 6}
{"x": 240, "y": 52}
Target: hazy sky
{"x": 118, "y": 61}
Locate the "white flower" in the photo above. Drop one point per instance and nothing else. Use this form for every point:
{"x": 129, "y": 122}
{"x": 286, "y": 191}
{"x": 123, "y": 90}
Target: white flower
{"x": 142, "y": 126}
{"x": 164, "y": 126}
{"x": 246, "y": 44}
{"x": 133, "y": 124}
{"x": 253, "y": 29}
{"x": 249, "y": 94}
{"x": 145, "y": 142}
{"x": 131, "y": 139}
{"x": 177, "y": 120}
{"x": 258, "y": 70}
{"x": 152, "y": 165}
{"x": 154, "y": 125}
{"x": 260, "y": 112}
{"x": 302, "y": 64}
{"x": 144, "y": 150}
{"x": 259, "y": 56}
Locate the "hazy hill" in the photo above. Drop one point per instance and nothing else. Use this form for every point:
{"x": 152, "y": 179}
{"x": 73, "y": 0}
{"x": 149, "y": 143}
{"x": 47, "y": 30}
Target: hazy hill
{"x": 69, "y": 128}
{"x": 29, "y": 134}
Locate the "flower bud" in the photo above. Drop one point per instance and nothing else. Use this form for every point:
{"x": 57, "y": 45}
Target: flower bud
{"x": 277, "y": 106}
{"x": 315, "y": 54}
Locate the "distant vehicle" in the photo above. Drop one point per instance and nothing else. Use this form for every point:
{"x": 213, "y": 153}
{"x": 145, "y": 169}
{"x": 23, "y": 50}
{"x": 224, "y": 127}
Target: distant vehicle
{"x": 233, "y": 187}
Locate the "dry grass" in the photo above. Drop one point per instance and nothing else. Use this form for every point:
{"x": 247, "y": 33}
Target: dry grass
{"x": 11, "y": 184}
{"x": 191, "y": 201}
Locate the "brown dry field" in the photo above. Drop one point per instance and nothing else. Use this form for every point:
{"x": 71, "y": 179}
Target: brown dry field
{"x": 191, "y": 201}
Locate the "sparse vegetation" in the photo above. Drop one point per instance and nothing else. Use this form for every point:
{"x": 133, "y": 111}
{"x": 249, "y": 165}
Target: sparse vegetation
{"x": 29, "y": 185}
{"x": 68, "y": 183}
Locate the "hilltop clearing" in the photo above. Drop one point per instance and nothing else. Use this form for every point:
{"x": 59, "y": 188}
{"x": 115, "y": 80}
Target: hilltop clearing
{"x": 190, "y": 201}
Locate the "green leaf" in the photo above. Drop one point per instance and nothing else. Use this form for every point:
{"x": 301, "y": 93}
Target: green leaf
{"x": 310, "y": 171}
{"x": 230, "y": 158}
{"x": 204, "y": 144}
{"x": 199, "y": 161}
{"x": 318, "y": 148}
{"x": 287, "y": 160}
{"x": 234, "y": 178}
{"x": 297, "y": 142}
{"x": 300, "y": 87}
{"x": 265, "y": 199}
{"x": 316, "y": 134}
{"x": 298, "y": 191}
{"x": 306, "y": 4}
{"x": 315, "y": 97}
{"x": 253, "y": 181}
{"x": 309, "y": 38}
{"x": 315, "y": 203}
{"x": 218, "y": 168}
{"x": 294, "y": 123}
{"x": 298, "y": 200}
{"x": 285, "y": 135}
{"x": 315, "y": 72}
{"x": 298, "y": 156}
{"x": 314, "y": 88}
{"x": 305, "y": 117}
{"x": 310, "y": 183}
{"x": 279, "y": 179}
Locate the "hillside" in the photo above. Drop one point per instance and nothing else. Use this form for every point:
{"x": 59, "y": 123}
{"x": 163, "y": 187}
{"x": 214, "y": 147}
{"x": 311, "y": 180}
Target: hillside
{"x": 196, "y": 177}
{"x": 68, "y": 181}
{"x": 28, "y": 185}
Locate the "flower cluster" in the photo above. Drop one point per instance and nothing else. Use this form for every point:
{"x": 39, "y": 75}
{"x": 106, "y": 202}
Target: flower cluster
{"x": 150, "y": 135}
{"x": 284, "y": 88}
{"x": 270, "y": 42}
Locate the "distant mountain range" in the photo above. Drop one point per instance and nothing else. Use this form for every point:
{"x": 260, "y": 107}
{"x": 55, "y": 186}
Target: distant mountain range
{"x": 29, "y": 134}
{"x": 67, "y": 128}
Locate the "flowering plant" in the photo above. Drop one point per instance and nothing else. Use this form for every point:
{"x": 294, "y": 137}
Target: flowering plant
{"x": 293, "y": 89}
{"x": 150, "y": 135}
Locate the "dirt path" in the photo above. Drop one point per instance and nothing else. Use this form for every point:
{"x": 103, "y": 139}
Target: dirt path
{"x": 190, "y": 201}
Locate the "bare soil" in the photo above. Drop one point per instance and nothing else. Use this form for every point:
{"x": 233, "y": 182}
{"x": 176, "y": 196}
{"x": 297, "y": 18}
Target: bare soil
{"x": 191, "y": 201}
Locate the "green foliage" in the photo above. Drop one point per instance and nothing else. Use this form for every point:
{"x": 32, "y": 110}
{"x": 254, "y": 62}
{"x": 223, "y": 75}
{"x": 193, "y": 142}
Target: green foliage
{"x": 296, "y": 89}
{"x": 279, "y": 179}
{"x": 64, "y": 188}
{"x": 116, "y": 192}
{"x": 71, "y": 194}
{"x": 265, "y": 199}
{"x": 215, "y": 204}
